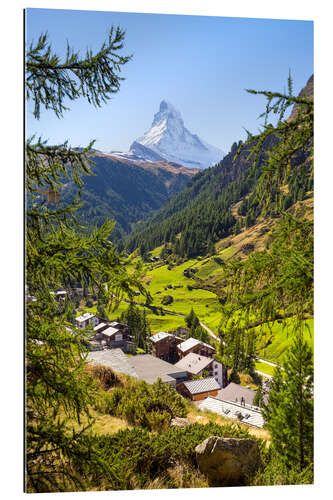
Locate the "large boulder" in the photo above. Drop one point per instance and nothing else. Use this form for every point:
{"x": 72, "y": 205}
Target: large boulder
{"x": 228, "y": 461}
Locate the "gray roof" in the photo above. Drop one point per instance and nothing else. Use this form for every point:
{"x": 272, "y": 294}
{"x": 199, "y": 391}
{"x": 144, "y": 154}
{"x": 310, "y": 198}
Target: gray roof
{"x": 98, "y": 327}
{"x": 110, "y": 331}
{"x": 234, "y": 393}
{"x": 202, "y": 385}
{"x": 191, "y": 342}
{"x": 115, "y": 359}
{"x": 247, "y": 415}
{"x": 159, "y": 336}
{"x": 194, "y": 363}
{"x": 142, "y": 366}
{"x": 150, "y": 368}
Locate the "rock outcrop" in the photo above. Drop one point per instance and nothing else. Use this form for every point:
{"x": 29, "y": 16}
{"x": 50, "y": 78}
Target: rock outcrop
{"x": 228, "y": 461}
{"x": 179, "y": 422}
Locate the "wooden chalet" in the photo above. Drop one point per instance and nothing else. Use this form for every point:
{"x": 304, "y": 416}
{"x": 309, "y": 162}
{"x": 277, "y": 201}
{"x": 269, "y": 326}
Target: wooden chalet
{"x": 164, "y": 346}
{"x": 195, "y": 346}
{"x": 199, "y": 389}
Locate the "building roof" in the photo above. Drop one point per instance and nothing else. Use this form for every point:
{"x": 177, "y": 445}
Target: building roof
{"x": 142, "y": 366}
{"x": 98, "y": 327}
{"x": 118, "y": 325}
{"x": 194, "y": 363}
{"x": 150, "y": 368}
{"x": 191, "y": 342}
{"x": 85, "y": 317}
{"x": 202, "y": 385}
{"x": 159, "y": 336}
{"x": 110, "y": 331}
{"x": 115, "y": 359}
{"x": 247, "y": 415}
{"x": 234, "y": 393}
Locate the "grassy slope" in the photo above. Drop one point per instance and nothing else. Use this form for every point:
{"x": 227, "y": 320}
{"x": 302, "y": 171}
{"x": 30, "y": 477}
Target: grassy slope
{"x": 280, "y": 335}
{"x": 204, "y": 302}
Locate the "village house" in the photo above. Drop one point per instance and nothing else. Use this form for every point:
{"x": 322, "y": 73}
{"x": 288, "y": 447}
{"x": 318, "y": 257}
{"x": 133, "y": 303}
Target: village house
{"x": 199, "y": 389}
{"x": 196, "y": 346}
{"x": 195, "y": 364}
{"x": 86, "y": 319}
{"x": 164, "y": 346}
{"x": 113, "y": 335}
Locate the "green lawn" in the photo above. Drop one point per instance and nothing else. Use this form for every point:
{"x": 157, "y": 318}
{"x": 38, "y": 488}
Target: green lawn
{"x": 265, "y": 368}
{"x": 204, "y": 302}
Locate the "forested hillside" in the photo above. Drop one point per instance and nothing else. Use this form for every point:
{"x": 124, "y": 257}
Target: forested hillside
{"x": 125, "y": 191}
{"x": 200, "y": 215}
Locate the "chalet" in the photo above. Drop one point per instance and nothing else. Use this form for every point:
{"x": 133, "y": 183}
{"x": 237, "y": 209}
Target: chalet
{"x": 143, "y": 366}
{"x": 199, "y": 389}
{"x": 86, "y": 319}
{"x": 194, "y": 364}
{"x": 196, "y": 346}
{"x": 164, "y": 346}
{"x": 100, "y": 327}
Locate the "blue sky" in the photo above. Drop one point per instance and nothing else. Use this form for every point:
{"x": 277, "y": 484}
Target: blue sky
{"x": 200, "y": 64}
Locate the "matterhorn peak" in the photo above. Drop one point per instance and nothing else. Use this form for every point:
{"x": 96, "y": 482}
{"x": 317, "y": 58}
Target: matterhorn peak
{"x": 167, "y": 112}
{"x": 168, "y": 139}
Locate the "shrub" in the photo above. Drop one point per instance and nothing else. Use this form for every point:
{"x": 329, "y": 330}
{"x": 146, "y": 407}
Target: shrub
{"x": 106, "y": 377}
{"x": 141, "y": 404}
{"x": 167, "y": 299}
{"x": 138, "y": 454}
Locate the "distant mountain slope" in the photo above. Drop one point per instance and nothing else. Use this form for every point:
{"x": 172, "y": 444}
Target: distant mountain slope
{"x": 169, "y": 139}
{"x": 203, "y": 212}
{"x": 126, "y": 191}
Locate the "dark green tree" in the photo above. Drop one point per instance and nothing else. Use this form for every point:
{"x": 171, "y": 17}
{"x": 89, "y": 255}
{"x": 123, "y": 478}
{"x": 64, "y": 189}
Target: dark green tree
{"x": 60, "y": 456}
{"x": 289, "y": 412}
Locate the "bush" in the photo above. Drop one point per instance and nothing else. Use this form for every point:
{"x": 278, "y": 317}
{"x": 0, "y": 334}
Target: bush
{"x": 274, "y": 472}
{"x": 167, "y": 299}
{"x": 106, "y": 377}
{"x": 138, "y": 454}
{"x": 141, "y": 404}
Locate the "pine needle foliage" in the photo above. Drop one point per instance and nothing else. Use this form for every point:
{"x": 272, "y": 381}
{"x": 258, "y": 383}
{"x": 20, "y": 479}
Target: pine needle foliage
{"x": 60, "y": 457}
{"x": 294, "y": 144}
{"x": 278, "y": 282}
{"x": 96, "y": 77}
{"x": 289, "y": 413}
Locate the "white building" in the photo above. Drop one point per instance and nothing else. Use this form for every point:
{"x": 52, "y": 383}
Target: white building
{"x": 86, "y": 319}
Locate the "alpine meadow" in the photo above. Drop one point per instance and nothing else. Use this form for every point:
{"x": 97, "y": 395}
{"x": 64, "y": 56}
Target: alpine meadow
{"x": 168, "y": 284}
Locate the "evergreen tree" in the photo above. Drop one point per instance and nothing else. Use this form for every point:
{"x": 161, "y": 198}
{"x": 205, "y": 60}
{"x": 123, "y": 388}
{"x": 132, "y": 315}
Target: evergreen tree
{"x": 60, "y": 457}
{"x": 289, "y": 412}
{"x": 190, "y": 318}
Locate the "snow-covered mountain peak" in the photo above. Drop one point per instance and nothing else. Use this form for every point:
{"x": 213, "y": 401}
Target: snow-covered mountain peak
{"x": 168, "y": 139}
{"x": 167, "y": 111}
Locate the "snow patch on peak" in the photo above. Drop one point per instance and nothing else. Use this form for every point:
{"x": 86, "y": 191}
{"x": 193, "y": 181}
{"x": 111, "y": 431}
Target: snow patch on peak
{"x": 169, "y": 138}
